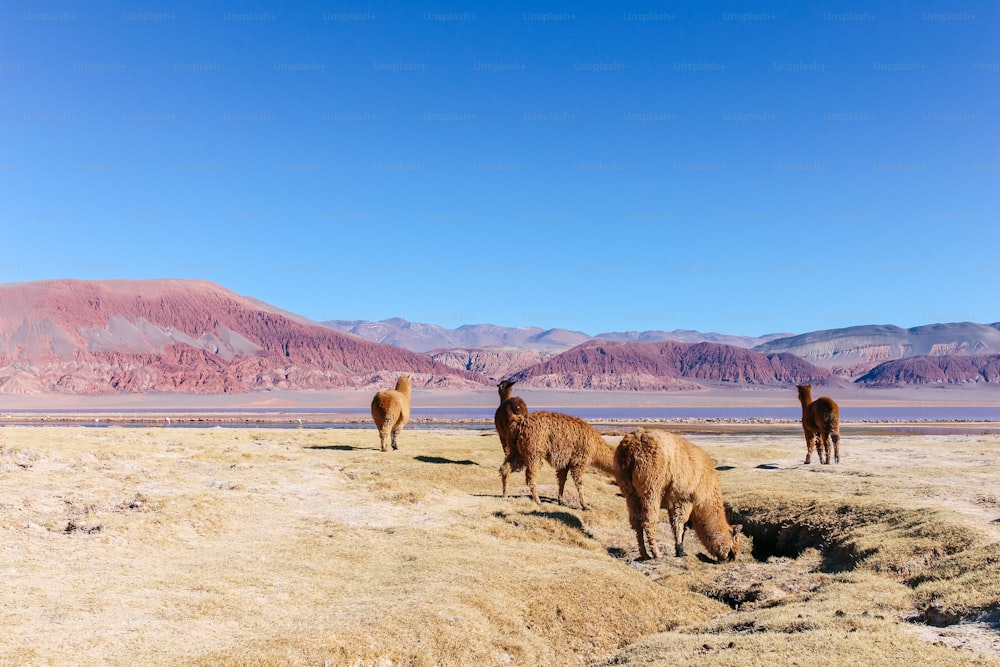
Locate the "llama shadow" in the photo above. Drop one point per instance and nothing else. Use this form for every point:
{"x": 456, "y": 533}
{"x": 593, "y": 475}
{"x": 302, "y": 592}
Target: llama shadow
{"x": 723, "y": 468}
{"x": 440, "y": 459}
{"x": 565, "y": 518}
{"x": 340, "y": 448}
{"x": 769, "y": 466}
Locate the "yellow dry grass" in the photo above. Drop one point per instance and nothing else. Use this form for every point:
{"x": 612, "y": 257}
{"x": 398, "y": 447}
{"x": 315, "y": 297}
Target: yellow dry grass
{"x": 246, "y": 546}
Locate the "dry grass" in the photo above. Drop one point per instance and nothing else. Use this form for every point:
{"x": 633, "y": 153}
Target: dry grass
{"x": 247, "y": 546}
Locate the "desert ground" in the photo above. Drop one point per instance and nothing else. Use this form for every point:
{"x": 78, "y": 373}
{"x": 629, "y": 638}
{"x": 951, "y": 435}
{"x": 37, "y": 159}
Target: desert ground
{"x": 243, "y": 545}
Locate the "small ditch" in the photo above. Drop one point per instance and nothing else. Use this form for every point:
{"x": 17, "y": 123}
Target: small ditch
{"x": 790, "y": 539}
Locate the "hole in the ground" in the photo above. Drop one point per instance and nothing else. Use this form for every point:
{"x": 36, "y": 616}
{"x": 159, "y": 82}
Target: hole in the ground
{"x": 790, "y": 539}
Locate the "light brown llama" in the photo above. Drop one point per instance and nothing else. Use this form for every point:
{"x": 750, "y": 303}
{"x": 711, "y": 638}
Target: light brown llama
{"x": 821, "y": 424}
{"x": 568, "y": 443}
{"x": 391, "y": 411}
{"x": 657, "y": 469}
{"x": 509, "y": 406}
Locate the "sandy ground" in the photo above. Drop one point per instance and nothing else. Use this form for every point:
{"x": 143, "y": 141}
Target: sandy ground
{"x": 309, "y": 546}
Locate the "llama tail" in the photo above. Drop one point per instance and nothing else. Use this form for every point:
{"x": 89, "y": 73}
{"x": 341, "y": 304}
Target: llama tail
{"x": 623, "y": 464}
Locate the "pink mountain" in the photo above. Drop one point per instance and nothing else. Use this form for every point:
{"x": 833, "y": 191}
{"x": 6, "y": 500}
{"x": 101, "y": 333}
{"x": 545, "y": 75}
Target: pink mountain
{"x": 97, "y": 337}
{"x": 648, "y": 366}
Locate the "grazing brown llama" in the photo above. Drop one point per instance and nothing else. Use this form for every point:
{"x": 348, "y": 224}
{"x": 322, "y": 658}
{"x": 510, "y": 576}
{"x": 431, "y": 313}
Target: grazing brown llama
{"x": 821, "y": 423}
{"x": 568, "y": 443}
{"x": 509, "y": 406}
{"x": 391, "y": 411}
{"x": 657, "y": 469}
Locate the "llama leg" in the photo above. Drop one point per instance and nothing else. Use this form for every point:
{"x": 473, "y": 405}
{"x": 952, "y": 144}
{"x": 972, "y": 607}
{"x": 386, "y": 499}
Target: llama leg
{"x": 836, "y": 446}
{"x": 395, "y": 432}
{"x": 679, "y": 514}
{"x": 649, "y": 528}
{"x": 504, "y": 474}
{"x": 637, "y": 518}
{"x": 577, "y": 473}
{"x": 640, "y": 538}
{"x": 810, "y": 446}
{"x": 561, "y": 476}
{"x": 530, "y": 471}
{"x": 383, "y": 438}
{"x": 825, "y": 443}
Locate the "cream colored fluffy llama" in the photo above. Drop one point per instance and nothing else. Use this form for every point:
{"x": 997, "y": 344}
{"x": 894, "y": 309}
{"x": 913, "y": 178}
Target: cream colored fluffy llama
{"x": 568, "y": 443}
{"x": 391, "y": 411}
{"x": 821, "y": 424}
{"x": 658, "y": 469}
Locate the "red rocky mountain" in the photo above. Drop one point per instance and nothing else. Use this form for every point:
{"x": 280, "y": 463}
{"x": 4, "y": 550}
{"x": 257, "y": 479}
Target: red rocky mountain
{"x": 97, "y": 337}
{"x": 954, "y": 369}
{"x": 647, "y": 366}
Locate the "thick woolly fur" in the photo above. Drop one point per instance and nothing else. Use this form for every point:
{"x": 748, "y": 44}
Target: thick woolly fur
{"x": 568, "y": 443}
{"x": 509, "y": 406}
{"x": 391, "y": 411}
{"x": 821, "y": 424}
{"x": 657, "y": 469}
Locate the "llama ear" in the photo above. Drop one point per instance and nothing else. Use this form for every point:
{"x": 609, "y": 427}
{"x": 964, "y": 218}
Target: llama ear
{"x": 737, "y": 529}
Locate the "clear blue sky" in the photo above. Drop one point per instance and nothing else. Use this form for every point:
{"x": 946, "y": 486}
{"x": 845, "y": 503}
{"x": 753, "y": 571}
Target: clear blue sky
{"x": 745, "y": 168}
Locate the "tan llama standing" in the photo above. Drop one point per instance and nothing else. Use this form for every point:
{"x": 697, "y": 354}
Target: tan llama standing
{"x": 391, "y": 411}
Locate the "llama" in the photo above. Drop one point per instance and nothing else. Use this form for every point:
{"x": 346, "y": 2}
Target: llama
{"x": 568, "y": 443}
{"x": 391, "y": 411}
{"x": 657, "y": 469}
{"x": 508, "y": 406}
{"x": 821, "y": 423}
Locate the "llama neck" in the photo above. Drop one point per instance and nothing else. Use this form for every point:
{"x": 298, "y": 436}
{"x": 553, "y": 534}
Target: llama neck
{"x": 604, "y": 458}
{"x": 805, "y": 398}
{"x": 710, "y": 524}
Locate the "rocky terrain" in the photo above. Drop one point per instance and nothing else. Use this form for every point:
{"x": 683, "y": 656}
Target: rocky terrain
{"x": 94, "y": 337}
{"x": 494, "y": 363}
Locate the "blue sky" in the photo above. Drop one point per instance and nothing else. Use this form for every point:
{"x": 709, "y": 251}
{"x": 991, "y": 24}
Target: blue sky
{"x": 745, "y": 168}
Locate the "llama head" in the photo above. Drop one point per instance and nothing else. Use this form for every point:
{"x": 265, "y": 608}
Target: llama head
{"x": 504, "y": 388}
{"x": 805, "y": 391}
{"x": 403, "y": 382}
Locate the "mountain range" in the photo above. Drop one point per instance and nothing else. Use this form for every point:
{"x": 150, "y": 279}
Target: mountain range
{"x": 132, "y": 336}
{"x": 851, "y": 353}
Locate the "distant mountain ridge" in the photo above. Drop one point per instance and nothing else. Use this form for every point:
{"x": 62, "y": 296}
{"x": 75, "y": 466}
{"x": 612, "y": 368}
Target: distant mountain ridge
{"x": 420, "y": 337}
{"x": 853, "y": 351}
